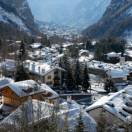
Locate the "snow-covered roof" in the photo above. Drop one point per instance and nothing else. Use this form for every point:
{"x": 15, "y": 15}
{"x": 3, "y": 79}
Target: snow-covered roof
{"x": 128, "y": 52}
{"x": 65, "y": 45}
{"x": 82, "y": 51}
{"x": 40, "y": 68}
{"x": 116, "y": 104}
{"x": 113, "y": 54}
{"x": 114, "y": 70}
{"x": 94, "y": 42}
{"x": 29, "y": 87}
{"x": 35, "y": 45}
{"x": 32, "y": 109}
{"x": 5, "y": 81}
{"x": 118, "y": 73}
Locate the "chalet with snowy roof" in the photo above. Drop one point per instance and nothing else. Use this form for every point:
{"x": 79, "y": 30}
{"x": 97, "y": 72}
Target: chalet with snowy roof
{"x": 51, "y": 75}
{"x": 116, "y": 108}
{"x": 15, "y": 93}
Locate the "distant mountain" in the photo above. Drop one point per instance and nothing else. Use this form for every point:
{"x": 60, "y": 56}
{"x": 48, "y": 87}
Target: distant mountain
{"x": 74, "y": 13}
{"x": 16, "y": 15}
{"x": 116, "y": 21}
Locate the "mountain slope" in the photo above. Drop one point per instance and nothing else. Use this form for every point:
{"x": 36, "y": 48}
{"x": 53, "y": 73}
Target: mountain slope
{"x": 16, "y": 14}
{"x": 116, "y": 21}
{"x": 89, "y": 12}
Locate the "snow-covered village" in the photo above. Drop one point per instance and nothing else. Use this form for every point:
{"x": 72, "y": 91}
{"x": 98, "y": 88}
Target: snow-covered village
{"x": 65, "y": 66}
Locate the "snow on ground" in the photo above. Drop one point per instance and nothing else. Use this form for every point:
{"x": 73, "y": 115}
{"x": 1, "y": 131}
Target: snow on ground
{"x": 129, "y": 52}
{"x": 85, "y": 58}
{"x": 97, "y": 87}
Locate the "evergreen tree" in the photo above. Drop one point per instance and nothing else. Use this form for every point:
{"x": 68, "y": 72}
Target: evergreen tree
{"x": 68, "y": 78}
{"x": 21, "y": 74}
{"x": 22, "y": 52}
{"x": 107, "y": 45}
{"x": 1, "y": 43}
{"x": 86, "y": 80}
{"x": 74, "y": 51}
{"x": 61, "y": 49}
{"x": 89, "y": 45}
{"x": 32, "y": 41}
{"x": 77, "y": 75}
{"x": 45, "y": 41}
{"x": 109, "y": 86}
{"x": 80, "y": 125}
{"x": 65, "y": 62}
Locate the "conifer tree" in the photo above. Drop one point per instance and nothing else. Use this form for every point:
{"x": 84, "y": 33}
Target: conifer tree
{"x": 85, "y": 82}
{"x": 22, "y": 52}
{"x": 61, "y": 49}
{"x": 77, "y": 75}
{"x": 88, "y": 45}
{"x": 1, "y": 43}
{"x": 21, "y": 74}
{"x": 109, "y": 86}
{"x": 68, "y": 78}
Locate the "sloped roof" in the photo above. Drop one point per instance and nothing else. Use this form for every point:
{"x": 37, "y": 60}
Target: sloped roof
{"x": 115, "y": 104}
{"x": 40, "y": 68}
{"x": 118, "y": 73}
{"x": 35, "y": 45}
{"x": 5, "y": 81}
{"x": 21, "y": 88}
{"x": 32, "y": 107}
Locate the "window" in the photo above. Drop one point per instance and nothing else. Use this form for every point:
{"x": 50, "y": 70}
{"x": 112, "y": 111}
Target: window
{"x": 49, "y": 77}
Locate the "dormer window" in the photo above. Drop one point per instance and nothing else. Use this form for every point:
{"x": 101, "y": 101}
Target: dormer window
{"x": 122, "y": 114}
{"x": 29, "y": 90}
{"x": 127, "y": 110}
{"x": 35, "y": 87}
{"x": 110, "y": 104}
